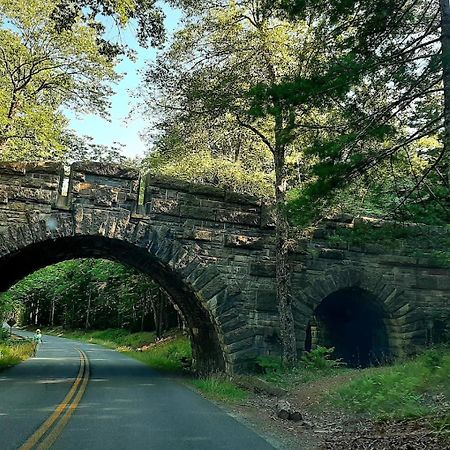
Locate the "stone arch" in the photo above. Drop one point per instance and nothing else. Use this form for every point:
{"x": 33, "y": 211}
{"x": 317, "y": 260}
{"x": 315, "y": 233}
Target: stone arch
{"x": 193, "y": 280}
{"x": 400, "y": 319}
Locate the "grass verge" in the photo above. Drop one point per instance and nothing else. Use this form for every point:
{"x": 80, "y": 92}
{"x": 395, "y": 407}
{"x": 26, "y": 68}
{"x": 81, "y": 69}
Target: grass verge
{"x": 111, "y": 338}
{"x": 220, "y": 389}
{"x": 416, "y": 388}
{"x": 13, "y": 352}
{"x": 172, "y": 353}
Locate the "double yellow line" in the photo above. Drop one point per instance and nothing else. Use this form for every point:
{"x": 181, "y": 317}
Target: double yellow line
{"x": 45, "y": 436}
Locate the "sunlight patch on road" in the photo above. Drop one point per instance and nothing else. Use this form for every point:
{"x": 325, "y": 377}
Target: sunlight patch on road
{"x": 47, "y": 358}
{"x": 56, "y": 380}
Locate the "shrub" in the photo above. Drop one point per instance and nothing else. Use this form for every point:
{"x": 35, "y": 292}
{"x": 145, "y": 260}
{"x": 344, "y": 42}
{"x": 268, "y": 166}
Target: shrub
{"x": 12, "y": 353}
{"x": 320, "y": 358}
{"x": 401, "y": 391}
{"x": 269, "y": 366}
{"x": 4, "y": 334}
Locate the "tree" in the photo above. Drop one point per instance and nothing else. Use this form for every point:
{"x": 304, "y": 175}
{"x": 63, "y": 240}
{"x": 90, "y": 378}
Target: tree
{"x": 206, "y": 77}
{"x": 388, "y": 87}
{"x": 90, "y": 294}
{"x": 54, "y": 57}
{"x": 145, "y": 13}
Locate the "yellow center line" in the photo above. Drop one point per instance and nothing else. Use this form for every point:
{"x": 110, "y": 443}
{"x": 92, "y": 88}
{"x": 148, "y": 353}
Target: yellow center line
{"x": 51, "y": 438}
{"x": 34, "y": 438}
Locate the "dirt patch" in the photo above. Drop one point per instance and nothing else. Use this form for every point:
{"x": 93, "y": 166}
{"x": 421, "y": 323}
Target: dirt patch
{"x": 326, "y": 428}
{"x": 401, "y": 435}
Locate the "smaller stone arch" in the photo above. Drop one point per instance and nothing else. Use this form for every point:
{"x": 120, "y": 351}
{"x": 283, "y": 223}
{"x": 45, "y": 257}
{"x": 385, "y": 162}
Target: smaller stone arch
{"x": 389, "y": 308}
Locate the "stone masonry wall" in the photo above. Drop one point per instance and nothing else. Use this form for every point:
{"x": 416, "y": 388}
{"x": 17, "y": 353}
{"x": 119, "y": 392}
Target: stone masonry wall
{"x": 233, "y": 236}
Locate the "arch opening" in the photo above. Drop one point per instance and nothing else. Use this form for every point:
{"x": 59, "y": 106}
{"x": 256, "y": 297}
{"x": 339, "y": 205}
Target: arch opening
{"x": 351, "y": 321}
{"x": 208, "y": 354}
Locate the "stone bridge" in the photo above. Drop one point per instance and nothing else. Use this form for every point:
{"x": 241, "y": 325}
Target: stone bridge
{"x": 212, "y": 251}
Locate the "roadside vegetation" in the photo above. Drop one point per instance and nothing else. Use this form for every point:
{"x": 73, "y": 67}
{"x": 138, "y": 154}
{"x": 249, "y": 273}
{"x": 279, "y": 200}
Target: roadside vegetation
{"x": 112, "y": 338}
{"x": 414, "y": 392}
{"x": 415, "y": 388}
{"x": 172, "y": 352}
{"x": 221, "y": 389}
{"x": 13, "y": 350}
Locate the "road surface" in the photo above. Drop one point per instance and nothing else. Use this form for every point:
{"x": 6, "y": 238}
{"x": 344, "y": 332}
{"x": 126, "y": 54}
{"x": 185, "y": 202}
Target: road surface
{"x": 75, "y": 396}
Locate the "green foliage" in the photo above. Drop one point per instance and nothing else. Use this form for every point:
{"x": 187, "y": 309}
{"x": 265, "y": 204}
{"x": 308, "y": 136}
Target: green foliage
{"x": 14, "y": 352}
{"x": 42, "y": 70}
{"x": 90, "y": 294}
{"x": 376, "y": 155}
{"x": 400, "y": 391}
{"x": 381, "y": 192}
{"x": 56, "y": 57}
{"x": 111, "y": 337}
{"x": 271, "y": 367}
{"x": 202, "y": 167}
{"x": 442, "y": 425}
{"x": 4, "y": 334}
{"x": 171, "y": 355}
{"x": 269, "y": 364}
{"x": 221, "y": 389}
{"x": 144, "y": 13}
{"x": 386, "y": 234}
{"x": 200, "y": 90}
{"x": 320, "y": 358}
{"x": 433, "y": 359}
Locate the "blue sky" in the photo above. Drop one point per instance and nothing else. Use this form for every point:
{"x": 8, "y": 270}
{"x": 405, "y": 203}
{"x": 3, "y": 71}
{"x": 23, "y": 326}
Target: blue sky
{"x": 121, "y": 128}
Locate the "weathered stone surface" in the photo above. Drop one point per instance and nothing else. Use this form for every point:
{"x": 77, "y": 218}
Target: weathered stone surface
{"x": 198, "y": 234}
{"x": 242, "y": 241}
{"x": 267, "y": 217}
{"x": 170, "y": 207}
{"x": 239, "y": 217}
{"x": 3, "y": 196}
{"x": 213, "y": 251}
{"x": 105, "y": 169}
{"x": 263, "y": 269}
{"x": 105, "y": 196}
{"x": 22, "y": 168}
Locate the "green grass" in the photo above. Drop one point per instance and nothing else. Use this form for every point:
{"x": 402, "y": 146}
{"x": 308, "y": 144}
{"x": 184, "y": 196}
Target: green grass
{"x": 221, "y": 389}
{"x": 309, "y": 369}
{"x": 167, "y": 355}
{"x": 13, "y": 352}
{"x": 404, "y": 390}
{"x": 111, "y": 338}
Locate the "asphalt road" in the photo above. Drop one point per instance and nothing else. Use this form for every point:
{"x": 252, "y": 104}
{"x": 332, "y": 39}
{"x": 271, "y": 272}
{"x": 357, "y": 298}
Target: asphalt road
{"x": 59, "y": 399}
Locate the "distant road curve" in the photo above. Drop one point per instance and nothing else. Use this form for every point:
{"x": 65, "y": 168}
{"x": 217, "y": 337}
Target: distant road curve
{"x": 75, "y": 396}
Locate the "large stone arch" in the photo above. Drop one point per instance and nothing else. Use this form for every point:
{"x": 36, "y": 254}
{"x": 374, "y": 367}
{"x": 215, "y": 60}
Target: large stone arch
{"x": 402, "y": 321}
{"x": 203, "y": 295}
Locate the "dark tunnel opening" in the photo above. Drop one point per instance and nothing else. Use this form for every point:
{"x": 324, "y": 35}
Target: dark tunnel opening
{"x": 351, "y": 321}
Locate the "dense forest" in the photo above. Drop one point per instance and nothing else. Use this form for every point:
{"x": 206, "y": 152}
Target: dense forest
{"x": 90, "y": 294}
{"x": 319, "y": 107}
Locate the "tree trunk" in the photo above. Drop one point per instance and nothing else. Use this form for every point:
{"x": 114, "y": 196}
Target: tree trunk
{"x": 156, "y": 306}
{"x": 36, "y": 314}
{"x": 144, "y": 308}
{"x": 444, "y": 6}
{"x": 88, "y": 312}
{"x": 11, "y": 113}
{"x": 287, "y": 326}
{"x": 52, "y": 317}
